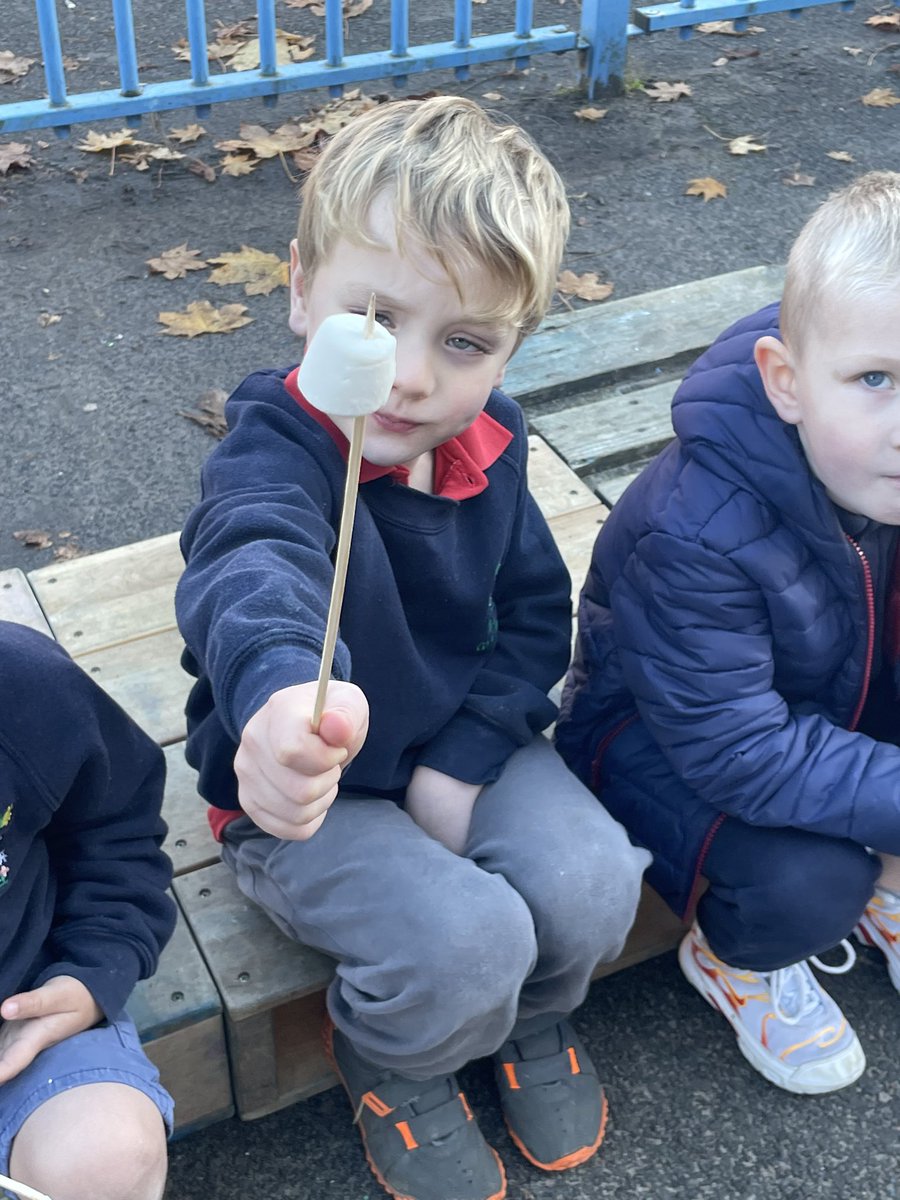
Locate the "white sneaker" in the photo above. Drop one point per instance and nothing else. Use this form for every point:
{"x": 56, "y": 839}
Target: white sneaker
{"x": 879, "y": 926}
{"x": 787, "y": 1026}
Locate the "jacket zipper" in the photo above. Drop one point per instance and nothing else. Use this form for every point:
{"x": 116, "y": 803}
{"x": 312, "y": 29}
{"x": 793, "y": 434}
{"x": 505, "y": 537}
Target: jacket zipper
{"x": 603, "y": 746}
{"x": 870, "y": 643}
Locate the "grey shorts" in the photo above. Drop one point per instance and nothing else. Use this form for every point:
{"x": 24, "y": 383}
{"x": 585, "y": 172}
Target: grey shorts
{"x": 109, "y": 1053}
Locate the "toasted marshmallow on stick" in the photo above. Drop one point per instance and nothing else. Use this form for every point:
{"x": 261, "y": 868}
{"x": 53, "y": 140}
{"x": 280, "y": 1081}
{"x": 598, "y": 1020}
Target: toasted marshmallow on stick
{"x": 348, "y": 368}
{"x": 347, "y": 371}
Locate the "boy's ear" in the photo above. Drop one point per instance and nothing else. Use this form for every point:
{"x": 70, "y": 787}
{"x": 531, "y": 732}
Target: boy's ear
{"x": 773, "y": 359}
{"x": 297, "y": 319}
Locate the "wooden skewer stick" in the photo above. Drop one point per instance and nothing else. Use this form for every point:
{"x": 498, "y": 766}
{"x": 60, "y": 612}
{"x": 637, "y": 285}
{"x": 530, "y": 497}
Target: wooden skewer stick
{"x": 22, "y": 1189}
{"x": 345, "y": 533}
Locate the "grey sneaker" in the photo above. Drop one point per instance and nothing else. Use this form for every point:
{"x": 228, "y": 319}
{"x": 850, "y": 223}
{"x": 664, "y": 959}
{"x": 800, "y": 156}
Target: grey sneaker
{"x": 420, "y": 1138}
{"x": 553, "y": 1103}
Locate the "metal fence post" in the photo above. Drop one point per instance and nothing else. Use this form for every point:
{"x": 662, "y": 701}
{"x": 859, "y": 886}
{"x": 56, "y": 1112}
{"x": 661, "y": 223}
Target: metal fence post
{"x": 604, "y": 26}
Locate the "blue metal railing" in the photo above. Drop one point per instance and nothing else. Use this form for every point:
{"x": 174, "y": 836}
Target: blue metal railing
{"x": 601, "y": 39}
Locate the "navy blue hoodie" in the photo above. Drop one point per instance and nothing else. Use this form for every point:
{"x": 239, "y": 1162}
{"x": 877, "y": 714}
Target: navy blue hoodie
{"x": 456, "y": 617}
{"x": 82, "y": 875}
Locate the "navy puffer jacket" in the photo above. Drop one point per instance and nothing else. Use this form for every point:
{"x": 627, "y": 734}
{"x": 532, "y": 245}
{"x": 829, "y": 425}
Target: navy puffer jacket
{"x": 725, "y": 639}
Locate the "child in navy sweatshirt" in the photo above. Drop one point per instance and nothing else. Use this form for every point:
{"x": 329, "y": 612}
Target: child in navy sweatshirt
{"x": 428, "y": 837}
{"x": 83, "y": 915}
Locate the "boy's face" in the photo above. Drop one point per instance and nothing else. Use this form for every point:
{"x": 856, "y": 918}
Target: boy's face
{"x": 842, "y": 392}
{"x": 450, "y": 353}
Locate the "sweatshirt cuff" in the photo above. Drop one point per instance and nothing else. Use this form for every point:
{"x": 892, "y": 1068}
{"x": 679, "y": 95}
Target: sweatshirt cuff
{"x": 111, "y": 981}
{"x": 280, "y": 666}
{"x": 470, "y": 750}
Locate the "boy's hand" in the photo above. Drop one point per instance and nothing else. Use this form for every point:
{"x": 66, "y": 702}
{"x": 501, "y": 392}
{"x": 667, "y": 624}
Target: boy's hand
{"x": 287, "y": 775}
{"x": 442, "y": 806}
{"x": 32, "y": 1021}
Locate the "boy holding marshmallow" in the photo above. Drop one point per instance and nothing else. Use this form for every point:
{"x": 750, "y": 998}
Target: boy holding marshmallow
{"x": 427, "y": 837}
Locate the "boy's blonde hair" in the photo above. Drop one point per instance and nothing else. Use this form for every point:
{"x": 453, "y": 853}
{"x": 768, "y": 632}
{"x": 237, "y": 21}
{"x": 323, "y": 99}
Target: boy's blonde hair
{"x": 849, "y": 247}
{"x": 472, "y": 191}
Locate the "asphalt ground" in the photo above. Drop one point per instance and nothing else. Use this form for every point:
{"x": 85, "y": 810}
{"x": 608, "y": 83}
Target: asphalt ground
{"x": 94, "y": 446}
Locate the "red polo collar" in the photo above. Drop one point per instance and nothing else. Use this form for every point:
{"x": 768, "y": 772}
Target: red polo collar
{"x": 459, "y": 463}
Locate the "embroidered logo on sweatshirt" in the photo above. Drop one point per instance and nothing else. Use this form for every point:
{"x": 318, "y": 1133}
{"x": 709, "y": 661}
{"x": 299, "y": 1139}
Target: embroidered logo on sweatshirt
{"x": 4, "y": 863}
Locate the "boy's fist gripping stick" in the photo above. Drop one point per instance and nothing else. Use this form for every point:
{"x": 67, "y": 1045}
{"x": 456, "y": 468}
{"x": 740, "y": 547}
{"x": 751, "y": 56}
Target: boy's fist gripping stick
{"x": 347, "y": 371}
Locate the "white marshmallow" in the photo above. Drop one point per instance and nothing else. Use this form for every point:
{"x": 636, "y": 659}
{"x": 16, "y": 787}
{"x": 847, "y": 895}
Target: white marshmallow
{"x": 343, "y": 372}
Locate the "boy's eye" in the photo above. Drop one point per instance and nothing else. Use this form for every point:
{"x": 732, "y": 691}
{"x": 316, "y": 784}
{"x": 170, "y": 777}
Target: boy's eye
{"x": 875, "y": 379}
{"x": 465, "y": 344}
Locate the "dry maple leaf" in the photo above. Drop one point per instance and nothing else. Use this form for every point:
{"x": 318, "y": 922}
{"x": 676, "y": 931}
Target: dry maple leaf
{"x": 798, "y": 180}
{"x": 35, "y": 539}
{"x": 591, "y": 114}
{"x": 289, "y": 47}
{"x": 337, "y": 113}
{"x": 175, "y": 263}
{"x": 727, "y": 28}
{"x": 664, "y": 92}
{"x": 14, "y": 154}
{"x": 201, "y": 317}
{"x": 585, "y": 287}
{"x": 187, "y": 134}
{"x": 839, "y": 155}
{"x": 12, "y": 66}
{"x": 210, "y": 412}
{"x": 95, "y": 143}
{"x": 218, "y": 51}
{"x": 888, "y": 21}
{"x": 259, "y": 272}
{"x": 46, "y": 319}
{"x": 238, "y": 164}
{"x": 260, "y": 142}
{"x": 880, "y": 98}
{"x": 744, "y": 144}
{"x": 198, "y": 167}
{"x": 143, "y": 153}
{"x": 707, "y": 187}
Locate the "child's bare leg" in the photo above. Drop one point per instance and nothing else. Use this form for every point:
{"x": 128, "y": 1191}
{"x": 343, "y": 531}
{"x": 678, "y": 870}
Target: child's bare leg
{"x": 890, "y": 872}
{"x": 101, "y": 1141}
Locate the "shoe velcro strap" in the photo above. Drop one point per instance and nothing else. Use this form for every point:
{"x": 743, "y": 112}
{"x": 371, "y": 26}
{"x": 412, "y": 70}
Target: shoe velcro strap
{"x": 537, "y": 1071}
{"x": 440, "y": 1122}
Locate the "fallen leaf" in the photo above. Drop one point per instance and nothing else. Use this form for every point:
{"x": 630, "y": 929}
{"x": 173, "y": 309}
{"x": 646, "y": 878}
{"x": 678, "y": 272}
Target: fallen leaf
{"x": 218, "y": 51}
{"x": 585, "y": 287}
{"x": 95, "y": 143}
{"x": 664, "y": 92}
{"x": 262, "y": 143}
{"x": 729, "y": 55}
{"x": 210, "y": 412}
{"x": 14, "y": 154}
{"x": 304, "y": 159}
{"x": 707, "y": 187}
{"x": 340, "y": 112}
{"x": 12, "y": 66}
{"x": 175, "y": 263}
{"x": 70, "y": 550}
{"x": 238, "y": 164}
{"x": 727, "y": 28}
{"x": 591, "y": 114}
{"x": 839, "y": 155}
{"x": 198, "y": 167}
{"x": 888, "y": 21}
{"x": 187, "y": 134}
{"x": 46, "y": 319}
{"x": 236, "y": 32}
{"x": 202, "y": 317}
{"x": 491, "y": 96}
{"x": 289, "y": 47}
{"x": 798, "y": 180}
{"x": 141, "y": 154}
{"x": 70, "y": 64}
{"x": 35, "y": 539}
{"x": 854, "y": 50}
{"x": 880, "y": 98}
{"x": 744, "y": 144}
{"x": 261, "y": 273}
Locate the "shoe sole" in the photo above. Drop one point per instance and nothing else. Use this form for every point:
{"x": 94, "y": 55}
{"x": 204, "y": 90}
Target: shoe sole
{"x": 853, "y": 1059}
{"x": 328, "y": 1041}
{"x": 575, "y": 1159}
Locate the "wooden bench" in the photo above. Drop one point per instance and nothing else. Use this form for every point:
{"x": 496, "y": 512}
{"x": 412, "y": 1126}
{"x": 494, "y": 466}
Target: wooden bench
{"x": 233, "y": 1015}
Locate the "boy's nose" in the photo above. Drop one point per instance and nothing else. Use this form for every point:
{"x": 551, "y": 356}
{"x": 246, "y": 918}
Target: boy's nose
{"x": 414, "y": 378}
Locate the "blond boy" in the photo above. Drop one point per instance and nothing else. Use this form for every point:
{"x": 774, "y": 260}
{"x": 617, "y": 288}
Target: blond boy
{"x": 428, "y": 838}
{"x": 734, "y": 695}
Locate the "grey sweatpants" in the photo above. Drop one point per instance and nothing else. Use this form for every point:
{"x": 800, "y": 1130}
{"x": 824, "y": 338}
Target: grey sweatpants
{"x": 440, "y": 957}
